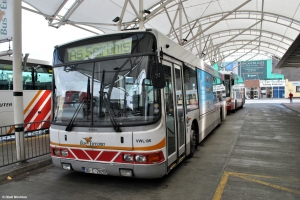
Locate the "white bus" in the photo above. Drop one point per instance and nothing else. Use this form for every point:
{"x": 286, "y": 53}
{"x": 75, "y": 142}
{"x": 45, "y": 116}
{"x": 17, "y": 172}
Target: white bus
{"x": 235, "y": 90}
{"x": 131, "y": 104}
{"x": 37, "y": 83}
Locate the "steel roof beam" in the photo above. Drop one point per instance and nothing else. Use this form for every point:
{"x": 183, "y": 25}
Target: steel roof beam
{"x": 241, "y": 47}
{"x": 220, "y": 20}
{"x": 241, "y": 56}
{"x": 56, "y": 13}
{"x": 244, "y": 48}
{"x": 291, "y": 20}
{"x": 276, "y": 45}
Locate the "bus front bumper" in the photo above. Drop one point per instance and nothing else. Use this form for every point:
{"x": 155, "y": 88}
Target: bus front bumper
{"x": 113, "y": 169}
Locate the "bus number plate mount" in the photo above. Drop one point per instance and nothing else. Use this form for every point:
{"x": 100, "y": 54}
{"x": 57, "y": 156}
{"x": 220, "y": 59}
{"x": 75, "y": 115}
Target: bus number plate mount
{"x": 95, "y": 171}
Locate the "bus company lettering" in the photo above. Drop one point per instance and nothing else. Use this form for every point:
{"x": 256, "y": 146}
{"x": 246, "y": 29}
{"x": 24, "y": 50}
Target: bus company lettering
{"x": 143, "y": 141}
{"x": 3, "y": 7}
{"x": 88, "y": 141}
{"x": 5, "y": 104}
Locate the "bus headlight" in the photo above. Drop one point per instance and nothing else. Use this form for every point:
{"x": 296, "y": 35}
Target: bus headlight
{"x": 140, "y": 158}
{"x": 127, "y": 157}
{"x": 64, "y": 152}
{"x": 56, "y": 152}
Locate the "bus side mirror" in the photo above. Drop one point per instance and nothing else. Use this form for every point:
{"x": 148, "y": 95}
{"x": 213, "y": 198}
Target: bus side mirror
{"x": 158, "y": 76}
{"x": 232, "y": 81}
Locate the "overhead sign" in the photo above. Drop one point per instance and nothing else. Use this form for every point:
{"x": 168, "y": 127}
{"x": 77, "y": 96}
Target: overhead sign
{"x": 6, "y": 19}
{"x": 253, "y": 70}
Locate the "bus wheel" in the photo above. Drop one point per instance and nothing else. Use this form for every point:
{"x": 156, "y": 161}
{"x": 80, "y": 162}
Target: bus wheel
{"x": 235, "y": 108}
{"x": 193, "y": 142}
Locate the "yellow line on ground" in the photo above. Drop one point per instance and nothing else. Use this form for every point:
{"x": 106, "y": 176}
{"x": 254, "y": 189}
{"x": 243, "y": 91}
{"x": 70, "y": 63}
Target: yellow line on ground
{"x": 262, "y": 176}
{"x": 225, "y": 176}
{"x": 221, "y": 186}
{"x": 267, "y": 184}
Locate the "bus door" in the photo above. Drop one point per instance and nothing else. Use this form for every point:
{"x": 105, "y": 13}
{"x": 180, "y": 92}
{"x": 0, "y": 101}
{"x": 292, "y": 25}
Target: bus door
{"x": 175, "y": 115}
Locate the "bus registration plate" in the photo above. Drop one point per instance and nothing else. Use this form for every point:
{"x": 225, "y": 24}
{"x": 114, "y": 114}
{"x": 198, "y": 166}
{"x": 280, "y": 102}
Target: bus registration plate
{"x": 95, "y": 171}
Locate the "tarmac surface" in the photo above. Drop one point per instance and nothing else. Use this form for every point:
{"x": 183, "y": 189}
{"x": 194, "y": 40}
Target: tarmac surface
{"x": 11, "y": 171}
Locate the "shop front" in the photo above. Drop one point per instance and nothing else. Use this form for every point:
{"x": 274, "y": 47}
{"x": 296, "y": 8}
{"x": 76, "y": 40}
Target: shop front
{"x": 272, "y": 89}
{"x": 252, "y": 89}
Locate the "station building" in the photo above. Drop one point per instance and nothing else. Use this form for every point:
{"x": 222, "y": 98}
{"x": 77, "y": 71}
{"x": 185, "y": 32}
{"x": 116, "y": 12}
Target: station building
{"x": 261, "y": 81}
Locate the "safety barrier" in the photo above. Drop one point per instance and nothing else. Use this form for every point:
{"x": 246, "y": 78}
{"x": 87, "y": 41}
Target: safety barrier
{"x": 36, "y": 142}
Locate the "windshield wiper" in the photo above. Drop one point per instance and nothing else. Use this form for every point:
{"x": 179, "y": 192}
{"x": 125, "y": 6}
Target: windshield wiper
{"x": 111, "y": 114}
{"x": 82, "y": 103}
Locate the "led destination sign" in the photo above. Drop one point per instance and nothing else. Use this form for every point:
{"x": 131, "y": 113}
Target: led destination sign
{"x": 98, "y": 50}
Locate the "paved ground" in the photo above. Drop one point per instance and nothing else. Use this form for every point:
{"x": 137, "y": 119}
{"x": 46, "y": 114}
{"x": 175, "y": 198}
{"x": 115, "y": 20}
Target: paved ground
{"x": 254, "y": 154}
{"x": 23, "y": 168}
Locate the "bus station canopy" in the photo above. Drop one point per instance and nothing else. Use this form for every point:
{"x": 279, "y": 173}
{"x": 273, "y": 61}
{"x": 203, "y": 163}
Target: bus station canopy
{"x": 216, "y": 30}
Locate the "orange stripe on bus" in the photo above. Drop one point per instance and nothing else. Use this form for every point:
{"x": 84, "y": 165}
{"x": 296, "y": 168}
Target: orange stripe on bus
{"x": 32, "y": 101}
{"x": 159, "y": 145}
{"x": 26, "y": 109}
{"x": 11, "y": 130}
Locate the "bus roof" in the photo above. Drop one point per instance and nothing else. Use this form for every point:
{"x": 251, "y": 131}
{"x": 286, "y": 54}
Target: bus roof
{"x": 30, "y": 60}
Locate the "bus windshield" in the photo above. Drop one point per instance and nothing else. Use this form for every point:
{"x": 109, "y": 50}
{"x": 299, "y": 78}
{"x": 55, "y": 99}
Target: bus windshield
{"x": 97, "y": 92}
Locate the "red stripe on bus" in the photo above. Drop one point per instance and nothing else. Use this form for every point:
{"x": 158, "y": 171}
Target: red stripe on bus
{"x": 107, "y": 156}
{"x": 80, "y": 154}
{"x": 41, "y": 116}
{"x": 93, "y": 154}
{"x": 32, "y": 101}
{"x": 37, "y": 106}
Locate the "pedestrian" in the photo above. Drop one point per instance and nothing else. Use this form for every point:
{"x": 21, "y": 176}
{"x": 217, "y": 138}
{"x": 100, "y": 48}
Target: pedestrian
{"x": 291, "y": 97}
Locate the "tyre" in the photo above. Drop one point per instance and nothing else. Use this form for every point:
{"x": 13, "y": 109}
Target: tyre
{"x": 193, "y": 142}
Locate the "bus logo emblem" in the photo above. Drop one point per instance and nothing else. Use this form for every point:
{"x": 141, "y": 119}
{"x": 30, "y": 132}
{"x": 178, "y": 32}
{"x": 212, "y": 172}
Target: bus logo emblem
{"x": 88, "y": 140}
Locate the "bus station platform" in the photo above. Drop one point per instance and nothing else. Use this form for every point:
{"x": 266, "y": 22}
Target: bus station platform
{"x": 254, "y": 154}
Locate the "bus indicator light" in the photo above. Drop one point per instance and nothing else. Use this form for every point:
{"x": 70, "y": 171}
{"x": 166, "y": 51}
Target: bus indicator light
{"x": 155, "y": 157}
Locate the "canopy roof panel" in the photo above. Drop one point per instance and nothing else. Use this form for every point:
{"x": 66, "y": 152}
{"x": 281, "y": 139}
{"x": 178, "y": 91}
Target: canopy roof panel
{"x": 216, "y": 30}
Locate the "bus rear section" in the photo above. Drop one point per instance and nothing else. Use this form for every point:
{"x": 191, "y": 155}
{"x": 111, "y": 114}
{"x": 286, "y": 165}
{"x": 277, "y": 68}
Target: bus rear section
{"x": 234, "y": 91}
{"x": 37, "y": 101}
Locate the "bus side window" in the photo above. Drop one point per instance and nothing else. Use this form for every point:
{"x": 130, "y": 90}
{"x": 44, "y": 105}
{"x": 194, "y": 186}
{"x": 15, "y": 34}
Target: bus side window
{"x": 3, "y": 85}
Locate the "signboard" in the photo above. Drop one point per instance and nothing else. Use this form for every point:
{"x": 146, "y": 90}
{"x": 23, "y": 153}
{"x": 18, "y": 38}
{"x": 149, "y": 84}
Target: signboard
{"x": 296, "y": 84}
{"x": 6, "y": 19}
{"x": 272, "y": 83}
{"x": 253, "y": 70}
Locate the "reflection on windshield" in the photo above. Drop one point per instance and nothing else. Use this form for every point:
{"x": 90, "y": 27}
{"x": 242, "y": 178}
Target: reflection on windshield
{"x": 119, "y": 91}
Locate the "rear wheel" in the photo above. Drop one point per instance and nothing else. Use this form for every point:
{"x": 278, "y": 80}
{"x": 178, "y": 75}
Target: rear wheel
{"x": 235, "y": 108}
{"x": 193, "y": 142}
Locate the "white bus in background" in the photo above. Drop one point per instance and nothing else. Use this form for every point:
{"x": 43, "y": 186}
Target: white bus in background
{"x": 37, "y": 87}
{"x": 235, "y": 90}
{"x": 155, "y": 121}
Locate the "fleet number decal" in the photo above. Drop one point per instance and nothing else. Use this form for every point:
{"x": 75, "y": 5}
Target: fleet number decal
{"x": 143, "y": 140}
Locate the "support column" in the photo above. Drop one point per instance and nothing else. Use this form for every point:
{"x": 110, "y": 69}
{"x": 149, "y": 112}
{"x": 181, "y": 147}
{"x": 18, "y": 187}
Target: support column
{"x": 141, "y": 18}
{"x": 17, "y": 80}
{"x": 180, "y": 23}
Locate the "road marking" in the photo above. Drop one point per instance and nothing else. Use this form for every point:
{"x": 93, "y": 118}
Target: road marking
{"x": 221, "y": 186}
{"x": 225, "y": 176}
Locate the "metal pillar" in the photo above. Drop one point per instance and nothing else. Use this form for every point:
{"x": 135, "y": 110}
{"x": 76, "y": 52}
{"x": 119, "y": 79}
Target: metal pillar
{"x": 141, "y": 18}
{"x": 17, "y": 79}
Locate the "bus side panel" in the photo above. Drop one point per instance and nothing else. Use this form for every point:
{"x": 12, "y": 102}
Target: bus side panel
{"x": 37, "y": 108}
{"x": 6, "y": 108}
{"x": 36, "y": 105}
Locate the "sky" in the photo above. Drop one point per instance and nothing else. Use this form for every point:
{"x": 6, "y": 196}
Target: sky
{"x": 39, "y": 39}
